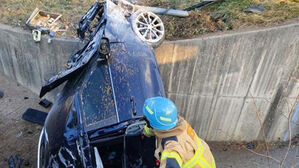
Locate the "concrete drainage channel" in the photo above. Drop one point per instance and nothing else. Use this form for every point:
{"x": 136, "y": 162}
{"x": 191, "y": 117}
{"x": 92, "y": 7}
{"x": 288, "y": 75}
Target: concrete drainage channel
{"x": 20, "y": 138}
{"x": 229, "y": 86}
{"x": 226, "y": 86}
{"x": 218, "y": 82}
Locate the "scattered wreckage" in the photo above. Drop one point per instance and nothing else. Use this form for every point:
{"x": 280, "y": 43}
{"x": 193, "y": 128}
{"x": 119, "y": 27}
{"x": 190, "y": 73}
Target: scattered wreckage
{"x": 42, "y": 22}
{"x": 97, "y": 119}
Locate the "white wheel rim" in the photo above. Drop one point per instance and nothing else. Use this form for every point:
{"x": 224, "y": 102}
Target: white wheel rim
{"x": 149, "y": 27}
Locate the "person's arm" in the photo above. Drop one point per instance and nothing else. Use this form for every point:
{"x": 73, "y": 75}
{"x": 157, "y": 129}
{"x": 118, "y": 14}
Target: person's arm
{"x": 170, "y": 160}
{"x": 171, "y": 156}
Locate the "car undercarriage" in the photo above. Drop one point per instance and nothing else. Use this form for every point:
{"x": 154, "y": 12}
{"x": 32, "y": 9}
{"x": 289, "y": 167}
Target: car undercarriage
{"x": 97, "y": 118}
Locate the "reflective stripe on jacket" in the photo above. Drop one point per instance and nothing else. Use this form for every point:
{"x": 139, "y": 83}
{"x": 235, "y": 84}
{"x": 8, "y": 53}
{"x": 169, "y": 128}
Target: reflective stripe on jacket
{"x": 183, "y": 146}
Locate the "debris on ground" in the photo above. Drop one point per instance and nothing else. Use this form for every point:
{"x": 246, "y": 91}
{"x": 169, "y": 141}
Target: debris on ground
{"x": 44, "y": 22}
{"x": 130, "y": 8}
{"x": 1, "y": 94}
{"x": 201, "y": 5}
{"x": 36, "y": 34}
{"x": 52, "y": 33}
{"x": 250, "y": 145}
{"x": 35, "y": 116}
{"x": 11, "y": 162}
{"x": 254, "y": 9}
{"x": 19, "y": 160}
{"x": 27, "y": 163}
{"x": 15, "y": 138}
{"x": 45, "y": 103}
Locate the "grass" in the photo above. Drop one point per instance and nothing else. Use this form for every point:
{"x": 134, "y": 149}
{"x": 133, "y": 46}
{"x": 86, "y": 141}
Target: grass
{"x": 275, "y": 10}
{"x": 220, "y": 16}
{"x": 227, "y": 15}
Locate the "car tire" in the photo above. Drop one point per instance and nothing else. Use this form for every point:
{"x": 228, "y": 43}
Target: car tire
{"x": 148, "y": 27}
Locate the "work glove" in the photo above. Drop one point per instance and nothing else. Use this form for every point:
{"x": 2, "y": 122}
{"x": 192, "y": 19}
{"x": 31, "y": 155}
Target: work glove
{"x": 148, "y": 132}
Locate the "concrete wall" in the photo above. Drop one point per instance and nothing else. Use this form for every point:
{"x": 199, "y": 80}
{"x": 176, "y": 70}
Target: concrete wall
{"x": 226, "y": 86}
{"x": 31, "y": 63}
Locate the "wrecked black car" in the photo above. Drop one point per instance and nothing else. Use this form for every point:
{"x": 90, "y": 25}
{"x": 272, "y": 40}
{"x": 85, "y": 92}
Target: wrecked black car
{"x": 97, "y": 119}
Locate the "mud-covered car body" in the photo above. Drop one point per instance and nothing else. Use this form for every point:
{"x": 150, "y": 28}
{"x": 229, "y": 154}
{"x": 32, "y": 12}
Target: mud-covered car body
{"x": 97, "y": 118}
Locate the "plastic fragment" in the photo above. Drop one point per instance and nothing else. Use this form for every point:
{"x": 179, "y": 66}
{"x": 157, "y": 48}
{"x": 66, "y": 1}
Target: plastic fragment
{"x": 45, "y": 103}
{"x": 254, "y": 9}
{"x": 250, "y": 145}
{"x": 1, "y": 94}
{"x": 11, "y": 162}
{"x": 52, "y": 33}
{"x": 19, "y": 160}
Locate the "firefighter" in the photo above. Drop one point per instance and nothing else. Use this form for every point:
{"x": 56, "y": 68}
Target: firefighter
{"x": 177, "y": 144}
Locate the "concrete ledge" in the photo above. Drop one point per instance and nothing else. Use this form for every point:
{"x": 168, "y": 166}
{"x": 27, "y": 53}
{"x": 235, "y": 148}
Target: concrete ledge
{"x": 225, "y": 85}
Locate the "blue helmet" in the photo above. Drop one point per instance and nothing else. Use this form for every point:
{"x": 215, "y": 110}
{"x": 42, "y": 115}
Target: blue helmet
{"x": 161, "y": 113}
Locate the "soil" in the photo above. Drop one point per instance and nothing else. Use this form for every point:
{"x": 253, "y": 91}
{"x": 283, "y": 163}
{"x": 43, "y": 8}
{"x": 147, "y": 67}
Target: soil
{"x": 228, "y": 155}
{"x": 19, "y": 137}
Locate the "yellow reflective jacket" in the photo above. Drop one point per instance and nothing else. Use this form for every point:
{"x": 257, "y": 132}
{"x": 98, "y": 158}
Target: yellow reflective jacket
{"x": 182, "y": 145}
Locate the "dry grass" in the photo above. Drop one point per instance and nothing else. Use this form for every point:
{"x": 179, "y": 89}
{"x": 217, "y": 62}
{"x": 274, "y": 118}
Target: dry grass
{"x": 224, "y": 15}
{"x": 275, "y": 11}
{"x": 229, "y": 15}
